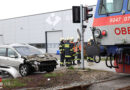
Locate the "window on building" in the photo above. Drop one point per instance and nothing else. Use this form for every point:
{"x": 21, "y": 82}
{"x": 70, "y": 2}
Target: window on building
{"x": 110, "y": 6}
{"x": 38, "y": 45}
{"x": 2, "y": 51}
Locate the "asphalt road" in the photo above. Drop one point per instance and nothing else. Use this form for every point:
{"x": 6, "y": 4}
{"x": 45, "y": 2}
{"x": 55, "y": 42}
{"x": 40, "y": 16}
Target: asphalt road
{"x": 92, "y": 65}
{"x": 121, "y": 81}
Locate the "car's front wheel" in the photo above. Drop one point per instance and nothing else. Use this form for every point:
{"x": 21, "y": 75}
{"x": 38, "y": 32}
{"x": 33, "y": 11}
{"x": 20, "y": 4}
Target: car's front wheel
{"x": 24, "y": 70}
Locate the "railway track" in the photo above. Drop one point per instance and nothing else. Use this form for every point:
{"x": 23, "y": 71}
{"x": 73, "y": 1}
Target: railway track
{"x": 109, "y": 84}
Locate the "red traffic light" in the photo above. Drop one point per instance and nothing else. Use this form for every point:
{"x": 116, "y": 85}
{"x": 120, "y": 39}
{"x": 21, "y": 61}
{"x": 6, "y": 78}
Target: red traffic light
{"x": 86, "y": 13}
{"x": 0, "y": 79}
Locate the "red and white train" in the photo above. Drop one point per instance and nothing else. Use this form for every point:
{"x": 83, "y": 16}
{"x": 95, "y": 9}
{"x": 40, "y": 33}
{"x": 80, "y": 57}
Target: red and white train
{"x": 111, "y": 29}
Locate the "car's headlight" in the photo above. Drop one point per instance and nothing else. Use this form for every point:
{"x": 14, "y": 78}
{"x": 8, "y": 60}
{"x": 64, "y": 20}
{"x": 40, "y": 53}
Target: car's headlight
{"x": 36, "y": 63}
{"x": 97, "y": 33}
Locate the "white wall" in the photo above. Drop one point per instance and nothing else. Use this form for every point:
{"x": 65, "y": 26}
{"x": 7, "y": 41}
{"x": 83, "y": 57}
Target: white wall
{"x": 31, "y": 29}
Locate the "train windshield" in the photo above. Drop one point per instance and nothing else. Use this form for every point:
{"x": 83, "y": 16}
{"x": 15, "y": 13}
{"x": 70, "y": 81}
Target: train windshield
{"x": 129, "y": 5}
{"x": 110, "y": 6}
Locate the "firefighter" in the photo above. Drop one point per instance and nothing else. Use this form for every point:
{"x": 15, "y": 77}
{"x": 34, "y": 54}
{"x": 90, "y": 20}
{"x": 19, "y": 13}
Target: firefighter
{"x": 67, "y": 53}
{"x": 72, "y": 51}
{"x": 90, "y": 42}
{"x": 78, "y": 51}
{"x": 65, "y": 40}
{"x": 62, "y": 53}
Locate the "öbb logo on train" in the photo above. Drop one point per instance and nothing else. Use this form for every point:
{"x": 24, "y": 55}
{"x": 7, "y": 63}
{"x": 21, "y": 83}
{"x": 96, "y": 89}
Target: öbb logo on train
{"x": 122, "y": 31}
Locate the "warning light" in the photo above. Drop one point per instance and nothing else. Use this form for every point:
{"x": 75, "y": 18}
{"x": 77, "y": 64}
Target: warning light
{"x": 0, "y": 79}
{"x": 104, "y": 33}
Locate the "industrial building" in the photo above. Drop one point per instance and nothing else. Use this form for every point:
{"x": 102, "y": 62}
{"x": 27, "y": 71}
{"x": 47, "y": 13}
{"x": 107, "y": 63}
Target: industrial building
{"x": 42, "y": 30}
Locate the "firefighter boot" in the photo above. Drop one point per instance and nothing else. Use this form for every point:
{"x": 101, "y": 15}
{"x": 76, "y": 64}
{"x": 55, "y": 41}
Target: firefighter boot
{"x": 78, "y": 61}
{"x": 74, "y": 63}
{"x": 61, "y": 64}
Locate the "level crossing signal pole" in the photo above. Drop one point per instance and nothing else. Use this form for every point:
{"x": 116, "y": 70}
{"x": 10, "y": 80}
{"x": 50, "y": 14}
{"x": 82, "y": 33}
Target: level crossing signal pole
{"x": 82, "y": 37}
{"x": 79, "y": 15}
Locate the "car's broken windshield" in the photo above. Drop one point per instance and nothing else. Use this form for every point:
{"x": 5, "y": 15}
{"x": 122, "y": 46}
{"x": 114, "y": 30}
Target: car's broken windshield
{"x": 27, "y": 51}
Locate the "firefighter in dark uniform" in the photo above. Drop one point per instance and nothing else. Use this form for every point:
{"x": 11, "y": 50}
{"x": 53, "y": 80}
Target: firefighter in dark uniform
{"x": 62, "y": 53}
{"x": 72, "y": 51}
{"x": 67, "y": 52}
{"x": 78, "y": 51}
{"x": 90, "y": 42}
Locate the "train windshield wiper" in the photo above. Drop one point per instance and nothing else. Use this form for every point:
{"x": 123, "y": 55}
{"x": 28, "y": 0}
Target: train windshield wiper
{"x": 104, "y": 6}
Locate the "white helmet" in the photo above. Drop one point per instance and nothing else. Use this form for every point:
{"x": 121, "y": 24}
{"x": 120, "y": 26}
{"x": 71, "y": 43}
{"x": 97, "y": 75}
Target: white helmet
{"x": 78, "y": 38}
{"x": 88, "y": 40}
{"x": 61, "y": 39}
{"x": 91, "y": 37}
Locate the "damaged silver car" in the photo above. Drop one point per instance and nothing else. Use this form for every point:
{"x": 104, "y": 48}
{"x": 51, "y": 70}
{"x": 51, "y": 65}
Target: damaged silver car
{"x": 27, "y": 59}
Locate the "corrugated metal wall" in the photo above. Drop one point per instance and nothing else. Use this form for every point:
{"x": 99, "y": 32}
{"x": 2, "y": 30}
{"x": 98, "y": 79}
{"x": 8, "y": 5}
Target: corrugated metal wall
{"x": 31, "y": 29}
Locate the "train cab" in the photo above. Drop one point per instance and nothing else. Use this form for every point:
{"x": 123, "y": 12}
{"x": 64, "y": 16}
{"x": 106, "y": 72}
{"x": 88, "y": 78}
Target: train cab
{"x": 111, "y": 29}
{"x": 112, "y": 22}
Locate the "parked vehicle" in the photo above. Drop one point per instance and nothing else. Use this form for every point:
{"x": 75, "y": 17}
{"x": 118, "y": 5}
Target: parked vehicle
{"x": 27, "y": 59}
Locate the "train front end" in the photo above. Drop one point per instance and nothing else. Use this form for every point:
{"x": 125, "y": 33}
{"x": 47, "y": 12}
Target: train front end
{"x": 111, "y": 29}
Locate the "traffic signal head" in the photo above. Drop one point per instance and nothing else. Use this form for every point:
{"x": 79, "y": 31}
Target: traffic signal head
{"x": 86, "y": 13}
{"x": 76, "y": 14}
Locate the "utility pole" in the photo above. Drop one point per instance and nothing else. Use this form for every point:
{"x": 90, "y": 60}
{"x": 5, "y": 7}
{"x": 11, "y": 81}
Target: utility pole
{"x": 82, "y": 37}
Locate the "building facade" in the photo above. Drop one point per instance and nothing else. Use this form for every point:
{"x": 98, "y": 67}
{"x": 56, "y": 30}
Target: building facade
{"x": 42, "y": 30}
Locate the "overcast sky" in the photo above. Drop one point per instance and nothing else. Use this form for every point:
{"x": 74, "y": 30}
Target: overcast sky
{"x": 17, "y": 8}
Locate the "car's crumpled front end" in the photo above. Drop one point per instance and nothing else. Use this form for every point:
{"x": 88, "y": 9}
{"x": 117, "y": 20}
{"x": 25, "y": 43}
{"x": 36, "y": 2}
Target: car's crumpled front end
{"x": 43, "y": 62}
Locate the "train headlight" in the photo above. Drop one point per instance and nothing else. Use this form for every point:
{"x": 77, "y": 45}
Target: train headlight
{"x": 97, "y": 33}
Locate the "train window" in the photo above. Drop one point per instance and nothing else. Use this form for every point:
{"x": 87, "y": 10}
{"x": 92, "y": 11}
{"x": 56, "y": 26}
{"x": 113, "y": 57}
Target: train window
{"x": 110, "y": 6}
{"x": 128, "y": 4}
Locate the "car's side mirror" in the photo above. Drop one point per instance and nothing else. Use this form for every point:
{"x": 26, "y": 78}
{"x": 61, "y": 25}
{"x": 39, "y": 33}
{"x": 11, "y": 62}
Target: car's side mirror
{"x": 13, "y": 56}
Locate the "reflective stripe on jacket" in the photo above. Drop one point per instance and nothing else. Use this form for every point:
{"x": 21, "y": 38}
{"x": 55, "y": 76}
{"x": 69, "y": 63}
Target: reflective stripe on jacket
{"x": 67, "y": 49}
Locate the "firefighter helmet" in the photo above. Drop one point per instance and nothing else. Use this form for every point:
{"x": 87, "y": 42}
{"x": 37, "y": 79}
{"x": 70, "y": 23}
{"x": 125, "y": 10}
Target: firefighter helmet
{"x": 61, "y": 39}
{"x": 70, "y": 38}
{"x": 78, "y": 38}
{"x": 91, "y": 37}
{"x": 88, "y": 40}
